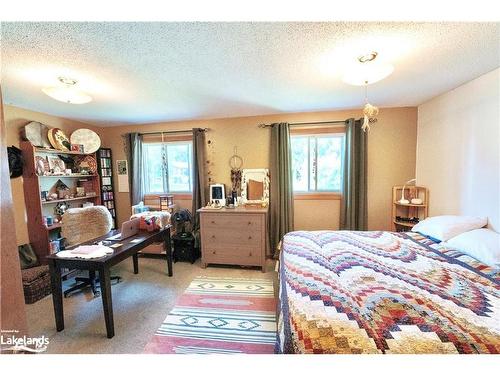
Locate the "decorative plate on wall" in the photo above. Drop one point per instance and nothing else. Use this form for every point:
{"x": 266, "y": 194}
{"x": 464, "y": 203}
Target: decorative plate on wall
{"x": 58, "y": 139}
{"x": 87, "y": 162}
{"x": 36, "y": 133}
{"x": 86, "y": 137}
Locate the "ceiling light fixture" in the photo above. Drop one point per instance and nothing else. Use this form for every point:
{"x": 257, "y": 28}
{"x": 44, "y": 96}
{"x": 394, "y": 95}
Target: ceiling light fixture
{"x": 67, "y": 92}
{"x": 367, "y": 70}
{"x": 368, "y": 57}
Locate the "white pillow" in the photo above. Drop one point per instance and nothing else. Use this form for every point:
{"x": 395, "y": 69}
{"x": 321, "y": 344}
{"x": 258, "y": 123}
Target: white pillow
{"x": 443, "y": 228}
{"x": 482, "y": 244}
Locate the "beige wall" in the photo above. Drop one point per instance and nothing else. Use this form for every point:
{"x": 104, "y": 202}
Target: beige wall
{"x": 15, "y": 119}
{"x": 391, "y": 158}
{"x": 458, "y": 156}
{"x": 316, "y": 214}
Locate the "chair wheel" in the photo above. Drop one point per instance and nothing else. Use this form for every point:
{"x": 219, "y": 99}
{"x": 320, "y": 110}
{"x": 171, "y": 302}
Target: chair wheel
{"x": 97, "y": 294}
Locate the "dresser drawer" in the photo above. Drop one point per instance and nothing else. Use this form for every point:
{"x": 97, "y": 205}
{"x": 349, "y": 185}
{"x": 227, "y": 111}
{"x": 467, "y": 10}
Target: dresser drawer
{"x": 233, "y": 236}
{"x": 226, "y": 255}
{"x": 232, "y": 221}
{"x": 242, "y": 237}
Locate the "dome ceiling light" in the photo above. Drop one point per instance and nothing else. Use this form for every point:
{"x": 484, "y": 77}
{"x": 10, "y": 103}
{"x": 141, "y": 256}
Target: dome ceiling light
{"x": 67, "y": 92}
{"x": 367, "y": 70}
{"x": 368, "y": 57}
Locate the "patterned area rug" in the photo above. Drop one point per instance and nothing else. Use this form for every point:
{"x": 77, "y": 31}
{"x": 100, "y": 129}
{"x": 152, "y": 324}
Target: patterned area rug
{"x": 220, "y": 316}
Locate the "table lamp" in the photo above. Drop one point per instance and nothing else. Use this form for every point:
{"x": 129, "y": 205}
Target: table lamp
{"x": 403, "y": 200}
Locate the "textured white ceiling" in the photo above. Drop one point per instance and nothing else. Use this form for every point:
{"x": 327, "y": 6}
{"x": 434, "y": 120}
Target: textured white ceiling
{"x": 150, "y": 72}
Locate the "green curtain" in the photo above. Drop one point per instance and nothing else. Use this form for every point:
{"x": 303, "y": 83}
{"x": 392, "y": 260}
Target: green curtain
{"x": 135, "y": 166}
{"x": 354, "y": 193}
{"x": 281, "y": 197}
{"x": 199, "y": 194}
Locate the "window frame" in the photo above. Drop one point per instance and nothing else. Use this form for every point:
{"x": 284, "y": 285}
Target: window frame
{"x": 170, "y": 140}
{"x": 338, "y": 131}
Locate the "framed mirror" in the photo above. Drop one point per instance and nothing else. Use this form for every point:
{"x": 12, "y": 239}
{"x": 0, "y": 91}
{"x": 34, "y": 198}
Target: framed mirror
{"x": 255, "y": 186}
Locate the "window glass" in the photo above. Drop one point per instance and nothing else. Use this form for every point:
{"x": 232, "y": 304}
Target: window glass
{"x": 167, "y": 167}
{"x": 329, "y": 163}
{"x": 300, "y": 163}
{"x": 179, "y": 167}
{"x": 317, "y": 162}
{"x": 153, "y": 178}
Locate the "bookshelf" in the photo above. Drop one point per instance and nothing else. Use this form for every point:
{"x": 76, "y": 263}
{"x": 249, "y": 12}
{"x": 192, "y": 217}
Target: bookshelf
{"x": 37, "y": 208}
{"x": 105, "y": 169}
{"x": 402, "y": 212}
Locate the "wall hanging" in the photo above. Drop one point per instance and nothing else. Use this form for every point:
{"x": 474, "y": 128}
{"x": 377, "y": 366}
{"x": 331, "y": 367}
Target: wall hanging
{"x": 236, "y": 162}
{"x": 37, "y": 134}
{"x": 58, "y": 139}
{"x": 87, "y": 138}
{"x": 16, "y": 162}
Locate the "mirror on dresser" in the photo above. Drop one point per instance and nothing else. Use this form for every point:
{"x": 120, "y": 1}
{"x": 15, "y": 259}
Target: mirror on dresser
{"x": 255, "y": 186}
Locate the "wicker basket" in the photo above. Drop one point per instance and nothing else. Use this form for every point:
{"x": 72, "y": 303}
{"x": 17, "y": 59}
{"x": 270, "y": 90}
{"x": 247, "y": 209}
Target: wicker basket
{"x": 36, "y": 283}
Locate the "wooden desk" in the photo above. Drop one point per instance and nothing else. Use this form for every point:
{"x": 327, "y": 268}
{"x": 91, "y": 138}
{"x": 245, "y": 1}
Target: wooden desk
{"x": 103, "y": 265}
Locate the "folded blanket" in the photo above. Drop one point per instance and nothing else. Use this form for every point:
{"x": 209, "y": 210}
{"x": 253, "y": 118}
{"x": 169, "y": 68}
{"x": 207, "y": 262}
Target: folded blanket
{"x": 86, "y": 252}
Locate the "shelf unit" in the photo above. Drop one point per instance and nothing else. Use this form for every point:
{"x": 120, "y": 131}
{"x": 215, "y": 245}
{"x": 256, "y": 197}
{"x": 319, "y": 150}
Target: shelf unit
{"x": 408, "y": 210}
{"x": 69, "y": 199}
{"x": 105, "y": 169}
{"x": 40, "y": 235}
{"x": 73, "y": 175}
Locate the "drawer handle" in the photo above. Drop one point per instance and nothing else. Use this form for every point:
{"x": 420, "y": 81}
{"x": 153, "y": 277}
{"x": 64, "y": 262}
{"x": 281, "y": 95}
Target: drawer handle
{"x": 249, "y": 237}
{"x": 213, "y": 221}
{"x": 250, "y": 254}
{"x": 213, "y": 235}
{"x": 249, "y": 223}
{"x": 213, "y": 252}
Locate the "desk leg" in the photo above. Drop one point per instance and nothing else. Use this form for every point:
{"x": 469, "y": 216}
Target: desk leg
{"x": 168, "y": 250}
{"x": 57, "y": 300}
{"x": 135, "y": 259}
{"x": 107, "y": 303}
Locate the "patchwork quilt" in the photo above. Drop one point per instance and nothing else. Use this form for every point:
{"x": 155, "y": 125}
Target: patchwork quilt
{"x": 382, "y": 292}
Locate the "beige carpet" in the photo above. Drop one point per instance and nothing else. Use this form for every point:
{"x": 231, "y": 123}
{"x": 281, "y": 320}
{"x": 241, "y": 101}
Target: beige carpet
{"x": 140, "y": 302}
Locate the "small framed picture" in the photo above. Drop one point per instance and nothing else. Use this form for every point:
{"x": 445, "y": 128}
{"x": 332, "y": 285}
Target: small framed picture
{"x": 43, "y": 195}
{"x": 122, "y": 167}
{"x": 56, "y": 164}
{"x": 77, "y": 148}
{"x": 80, "y": 191}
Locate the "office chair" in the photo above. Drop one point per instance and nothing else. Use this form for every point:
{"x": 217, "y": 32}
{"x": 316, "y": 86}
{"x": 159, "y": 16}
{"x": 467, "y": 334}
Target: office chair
{"x": 83, "y": 224}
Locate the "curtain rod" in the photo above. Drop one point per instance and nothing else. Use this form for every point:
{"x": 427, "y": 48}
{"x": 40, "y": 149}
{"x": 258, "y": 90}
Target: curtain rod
{"x": 305, "y": 123}
{"x": 173, "y": 131}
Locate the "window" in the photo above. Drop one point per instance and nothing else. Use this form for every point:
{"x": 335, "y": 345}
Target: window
{"x": 317, "y": 162}
{"x": 167, "y": 167}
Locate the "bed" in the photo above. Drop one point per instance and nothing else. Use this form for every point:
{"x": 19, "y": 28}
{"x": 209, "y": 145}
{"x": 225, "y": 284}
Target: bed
{"x": 382, "y": 292}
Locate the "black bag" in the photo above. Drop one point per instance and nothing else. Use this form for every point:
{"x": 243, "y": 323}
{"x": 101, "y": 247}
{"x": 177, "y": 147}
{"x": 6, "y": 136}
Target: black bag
{"x": 27, "y": 256}
{"x": 15, "y": 161}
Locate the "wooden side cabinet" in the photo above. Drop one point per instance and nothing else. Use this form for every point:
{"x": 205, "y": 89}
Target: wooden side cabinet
{"x": 406, "y": 214}
{"x": 234, "y": 236}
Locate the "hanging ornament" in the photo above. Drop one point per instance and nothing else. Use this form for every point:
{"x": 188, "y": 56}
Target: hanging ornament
{"x": 164, "y": 161}
{"x": 369, "y": 111}
{"x": 210, "y": 161}
{"x": 236, "y": 162}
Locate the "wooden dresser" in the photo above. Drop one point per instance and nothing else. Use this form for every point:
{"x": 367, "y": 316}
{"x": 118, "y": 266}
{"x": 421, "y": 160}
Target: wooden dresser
{"x": 234, "y": 236}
